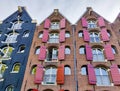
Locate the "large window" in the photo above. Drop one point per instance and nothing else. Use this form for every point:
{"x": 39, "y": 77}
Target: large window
{"x": 16, "y": 68}
{"x": 50, "y": 75}
{"x": 3, "y": 67}
{"x": 102, "y": 76}
{"x": 55, "y": 25}
{"x": 92, "y": 24}
{"x": 98, "y": 55}
{"x": 11, "y": 37}
{"x": 53, "y": 38}
{"x": 52, "y": 54}
{"x": 10, "y": 88}
{"x": 6, "y": 52}
{"x": 94, "y": 37}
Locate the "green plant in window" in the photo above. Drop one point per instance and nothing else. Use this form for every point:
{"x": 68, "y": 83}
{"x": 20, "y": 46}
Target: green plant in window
{"x": 34, "y": 70}
{"x": 16, "y": 68}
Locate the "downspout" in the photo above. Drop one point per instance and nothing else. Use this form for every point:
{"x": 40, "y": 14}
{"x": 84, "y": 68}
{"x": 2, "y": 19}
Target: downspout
{"x": 75, "y": 61}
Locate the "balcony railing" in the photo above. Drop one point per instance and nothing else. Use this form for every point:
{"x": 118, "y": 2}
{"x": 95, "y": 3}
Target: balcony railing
{"x": 54, "y": 27}
{"x": 53, "y": 40}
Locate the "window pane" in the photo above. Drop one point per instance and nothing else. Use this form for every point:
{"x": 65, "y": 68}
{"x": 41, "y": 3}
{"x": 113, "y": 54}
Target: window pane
{"x": 80, "y": 34}
{"x": 82, "y": 50}
{"x": 83, "y": 71}
{"x": 67, "y": 34}
{"x": 67, "y": 71}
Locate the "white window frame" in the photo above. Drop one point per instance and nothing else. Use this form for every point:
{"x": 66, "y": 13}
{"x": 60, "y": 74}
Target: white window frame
{"x": 94, "y": 37}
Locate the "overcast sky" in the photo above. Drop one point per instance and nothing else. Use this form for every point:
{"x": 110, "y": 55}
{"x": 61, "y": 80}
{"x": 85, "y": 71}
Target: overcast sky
{"x": 71, "y": 9}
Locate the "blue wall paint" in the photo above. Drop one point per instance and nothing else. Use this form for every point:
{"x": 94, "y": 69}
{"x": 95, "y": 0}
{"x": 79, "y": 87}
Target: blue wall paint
{"x": 16, "y": 79}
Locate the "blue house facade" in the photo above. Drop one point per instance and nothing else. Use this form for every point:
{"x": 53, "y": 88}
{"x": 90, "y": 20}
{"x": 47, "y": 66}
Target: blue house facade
{"x": 16, "y": 33}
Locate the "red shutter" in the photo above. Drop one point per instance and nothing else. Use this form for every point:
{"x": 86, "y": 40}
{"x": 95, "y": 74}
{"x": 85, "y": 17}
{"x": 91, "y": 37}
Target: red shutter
{"x": 89, "y": 55}
{"x": 42, "y": 54}
{"x": 61, "y": 90}
{"x": 104, "y": 35}
{"x": 60, "y": 74}
{"x": 61, "y": 52}
{"x": 91, "y": 74}
{"x": 45, "y": 36}
{"x": 63, "y": 23}
{"x": 108, "y": 52}
{"x": 86, "y": 35}
{"x": 47, "y": 23}
{"x": 62, "y": 36}
{"x": 84, "y": 22}
{"x": 115, "y": 74}
{"x": 101, "y": 22}
{"x": 39, "y": 74}
{"x": 34, "y": 90}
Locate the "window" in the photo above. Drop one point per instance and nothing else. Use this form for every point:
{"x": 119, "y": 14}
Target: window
{"x": 84, "y": 70}
{"x": 37, "y": 50}
{"x": 10, "y": 88}
{"x": 114, "y": 50}
{"x": 94, "y": 37}
{"x": 109, "y": 33}
{"x": 40, "y": 35}
{"x": 102, "y": 76}
{"x": 98, "y": 55}
{"x": 6, "y": 52}
{"x": 53, "y": 38}
{"x": 50, "y": 75}
{"x": 67, "y": 34}
{"x": 52, "y": 54}
{"x": 26, "y": 34}
{"x": 67, "y": 70}
{"x": 21, "y": 49}
{"x": 67, "y": 50}
{"x": 3, "y": 67}
{"x": 92, "y": 24}
{"x": 82, "y": 50}
{"x": 16, "y": 68}
{"x": 80, "y": 34}
{"x": 33, "y": 71}
{"x": 11, "y": 37}
{"x": 55, "y": 25}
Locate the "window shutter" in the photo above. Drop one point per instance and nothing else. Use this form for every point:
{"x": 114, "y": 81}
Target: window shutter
{"x": 101, "y": 22}
{"x": 45, "y": 36}
{"x": 61, "y": 52}
{"x": 115, "y": 74}
{"x": 104, "y": 35}
{"x": 34, "y": 90}
{"x": 86, "y": 35}
{"x": 89, "y": 55}
{"x": 62, "y": 36}
{"x": 61, "y": 90}
{"x": 60, "y": 75}
{"x": 39, "y": 74}
{"x": 84, "y": 22}
{"x": 91, "y": 75}
{"x": 47, "y": 24}
{"x": 108, "y": 52}
{"x": 42, "y": 54}
{"x": 63, "y": 23}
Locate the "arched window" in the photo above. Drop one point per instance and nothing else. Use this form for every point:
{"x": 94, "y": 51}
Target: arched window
{"x": 52, "y": 54}
{"x": 67, "y": 70}
{"x": 53, "y": 38}
{"x": 114, "y": 50}
{"x": 6, "y": 52}
{"x": 16, "y": 68}
{"x": 84, "y": 70}
{"x": 67, "y": 50}
{"x": 109, "y": 33}
{"x": 33, "y": 70}
{"x": 37, "y": 50}
{"x": 102, "y": 76}
{"x": 50, "y": 75}
{"x": 21, "y": 49}
{"x": 98, "y": 55}
{"x": 10, "y": 88}
{"x": 80, "y": 33}
{"x": 92, "y": 23}
{"x": 26, "y": 33}
{"x": 11, "y": 37}
{"x": 40, "y": 35}
{"x": 67, "y": 34}
{"x": 94, "y": 37}
{"x": 3, "y": 67}
{"x": 82, "y": 50}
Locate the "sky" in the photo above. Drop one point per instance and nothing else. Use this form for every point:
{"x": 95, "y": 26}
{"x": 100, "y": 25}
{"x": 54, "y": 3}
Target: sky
{"x": 71, "y": 9}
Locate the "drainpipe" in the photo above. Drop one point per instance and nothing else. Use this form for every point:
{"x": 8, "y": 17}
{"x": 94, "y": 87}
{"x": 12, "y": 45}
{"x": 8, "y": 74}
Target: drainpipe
{"x": 75, "y": 61}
